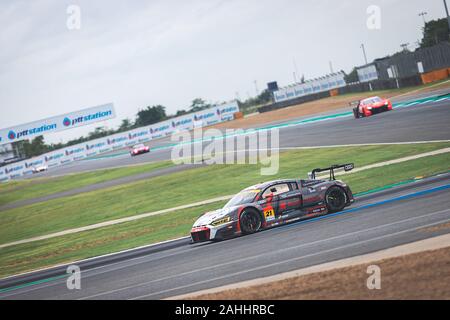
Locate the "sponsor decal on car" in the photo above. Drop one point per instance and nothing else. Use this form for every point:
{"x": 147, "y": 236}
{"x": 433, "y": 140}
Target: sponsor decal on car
{"x": 269, "y": 214}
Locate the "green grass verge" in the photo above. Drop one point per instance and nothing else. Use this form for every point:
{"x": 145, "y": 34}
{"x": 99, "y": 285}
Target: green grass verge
{"x": 180, "y": 188}
{"x": 28, "y": 189}
{"x": 128, "y": 235}
{"x": 87, "y": 244}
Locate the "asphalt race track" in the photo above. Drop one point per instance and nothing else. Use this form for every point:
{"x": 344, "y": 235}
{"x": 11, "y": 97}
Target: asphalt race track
{"x": 378, "y": 221}
{"x": 424, "y": 122}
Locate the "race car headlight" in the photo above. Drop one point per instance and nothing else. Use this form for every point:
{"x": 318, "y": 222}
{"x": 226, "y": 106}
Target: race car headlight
{"x": 369, "y": 108}
{"x": 221, "y": 221}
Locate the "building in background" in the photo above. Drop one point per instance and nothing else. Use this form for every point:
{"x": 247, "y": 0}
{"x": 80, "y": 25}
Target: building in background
{"x": 8, "y": 154}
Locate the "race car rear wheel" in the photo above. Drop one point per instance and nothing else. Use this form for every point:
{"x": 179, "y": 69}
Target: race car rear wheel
{"x": 336, "y": 199}
{"x": 356, "y": 113}
{"x": 250, "y": 221}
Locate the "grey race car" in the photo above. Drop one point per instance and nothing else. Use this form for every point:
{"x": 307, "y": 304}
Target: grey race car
{"x": 274, "y": 203}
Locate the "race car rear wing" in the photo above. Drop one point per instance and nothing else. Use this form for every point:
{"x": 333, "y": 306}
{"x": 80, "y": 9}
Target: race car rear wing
{"x": 346, "y": 167}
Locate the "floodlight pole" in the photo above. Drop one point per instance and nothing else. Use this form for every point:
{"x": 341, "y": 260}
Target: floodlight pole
{"x": 448, "y": 17}
{"x": 364, "y": 52}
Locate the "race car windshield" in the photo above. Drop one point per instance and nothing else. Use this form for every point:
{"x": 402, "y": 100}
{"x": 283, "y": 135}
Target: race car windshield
{"x": 372, "y": 100}
{"x": 242, "y": 197}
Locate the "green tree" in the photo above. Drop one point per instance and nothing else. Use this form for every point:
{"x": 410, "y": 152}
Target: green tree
{"x": 125, "y": 125}
{"x": 35, "y": 148}
{"x": 199, "y": 104}
{"x": 151, "y": 115}
{"x": 99, "y": 132}
{"x": 352, "y": 76}
{"x": 435, "y": 31}
{"x": 180, "y": 113}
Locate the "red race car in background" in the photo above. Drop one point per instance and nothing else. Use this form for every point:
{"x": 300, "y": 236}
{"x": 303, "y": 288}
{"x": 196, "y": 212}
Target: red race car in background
{"x": 139, "y": 149}
{"x": 370, "y": 106}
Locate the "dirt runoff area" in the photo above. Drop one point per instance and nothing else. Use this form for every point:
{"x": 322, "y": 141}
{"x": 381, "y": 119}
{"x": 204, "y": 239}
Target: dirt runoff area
{"x": 319, "y": 106}
{"x": 423, "y": 275}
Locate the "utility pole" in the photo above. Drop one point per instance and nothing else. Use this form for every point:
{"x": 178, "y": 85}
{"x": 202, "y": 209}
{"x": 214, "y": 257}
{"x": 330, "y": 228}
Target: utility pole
{"x": 295, "y": 67}
{"x": 448, "y": 17}
{"x": 364, "y": 52}
{"x": 256, "y": 88}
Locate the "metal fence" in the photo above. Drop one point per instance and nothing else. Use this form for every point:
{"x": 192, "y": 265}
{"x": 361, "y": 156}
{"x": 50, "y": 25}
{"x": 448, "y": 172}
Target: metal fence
{"x": 406, "y": 64}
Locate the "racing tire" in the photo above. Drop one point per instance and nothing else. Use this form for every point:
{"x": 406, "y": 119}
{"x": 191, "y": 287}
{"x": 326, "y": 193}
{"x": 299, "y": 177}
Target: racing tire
{"x": 356, "y": 113}
{"x": 250, "y": 221}
{"x": 335, "y": 199}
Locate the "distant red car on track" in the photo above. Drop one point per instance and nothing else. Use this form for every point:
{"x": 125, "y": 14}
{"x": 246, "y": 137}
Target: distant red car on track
{"x": 370, "y": 106}
{"x": 139, "y": 149}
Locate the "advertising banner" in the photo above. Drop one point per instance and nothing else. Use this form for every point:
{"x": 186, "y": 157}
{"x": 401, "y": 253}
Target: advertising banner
{"x": 216, "y": 114}
{"x": 367, "y": 74}
{"x": 206, "y": 117}
{"x": 75, "y": 153}
{"x": 57, "y": 123}
{"x": 96, "y": 147}
{"x": 227, "y": 110}
{"x": 139, "y": 135}
{"x": 15, "y": 170}
{"x": 183, "y": 123}
{"x": 160, "y": 129}
{"x": 3, "y": 176}
{"x": 322, "y": 84}
{"x": 117, "y": 141}
{"x": 32, "y": 163}
{"x": 54, "y": 158}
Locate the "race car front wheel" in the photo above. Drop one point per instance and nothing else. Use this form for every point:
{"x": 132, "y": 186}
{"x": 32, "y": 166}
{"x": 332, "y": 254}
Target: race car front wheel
{"x": 250, "y": 221}
{"x": 336, "y": 199}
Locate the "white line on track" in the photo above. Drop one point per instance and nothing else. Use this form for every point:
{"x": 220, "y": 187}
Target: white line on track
{"x": 289, "y": 260}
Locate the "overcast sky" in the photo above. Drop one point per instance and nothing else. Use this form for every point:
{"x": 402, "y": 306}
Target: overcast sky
{"x": 139, "y": 53}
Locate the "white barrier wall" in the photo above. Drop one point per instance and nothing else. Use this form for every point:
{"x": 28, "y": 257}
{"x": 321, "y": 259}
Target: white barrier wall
{"x": 95, "y": 147}
{"x": 3, "y": 175}
{"x": 31, "y": 163}
{"x": 322, "y": 84}
{"x": 53, "y": 159}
